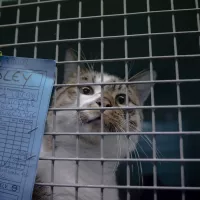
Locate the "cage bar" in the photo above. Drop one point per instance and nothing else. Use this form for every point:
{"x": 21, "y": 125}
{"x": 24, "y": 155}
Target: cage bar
{"x": 0, "y": 6}
{"x": 198, "y": 18}
{"x": 177, "y": 160}
{"x": 102, "y": 99}
{"x": 33, "y": 3}
{"x": 127, "y": 99}
{"x": 104, "y": 38}
{"x": 92, "y": 17}
{"x": 132, "y": 107}
{"x": 123, "y": 187}
{"x": 178, "y": 101}
{"x": 36, "y": 30}
{"x": 152, "y": 101}
{"x": 132, "y": 59}
{"x": 17, "y": 29}
{"x": 132, "y": 82}
{"x": 148, "y": 13}
{"x": 78, "y": 97}
{"x": 130, "y": 133}
{"x": 55, "y": 99}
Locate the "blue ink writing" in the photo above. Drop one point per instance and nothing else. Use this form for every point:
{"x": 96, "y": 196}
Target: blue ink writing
{"x": 25, "y": 90}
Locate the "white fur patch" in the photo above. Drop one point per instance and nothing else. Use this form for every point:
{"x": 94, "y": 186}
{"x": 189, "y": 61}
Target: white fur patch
{"x": 89, "y": 173}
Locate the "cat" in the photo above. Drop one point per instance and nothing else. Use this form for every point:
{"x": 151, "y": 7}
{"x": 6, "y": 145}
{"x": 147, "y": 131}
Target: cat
{"x": 89, "y": 172}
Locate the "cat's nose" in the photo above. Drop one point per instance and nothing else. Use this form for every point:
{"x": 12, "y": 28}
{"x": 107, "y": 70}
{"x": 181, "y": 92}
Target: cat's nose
{"x": 106, "y": 102}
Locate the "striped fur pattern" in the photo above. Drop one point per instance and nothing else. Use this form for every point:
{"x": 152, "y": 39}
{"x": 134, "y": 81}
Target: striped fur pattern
{"x": 89, "y": 146}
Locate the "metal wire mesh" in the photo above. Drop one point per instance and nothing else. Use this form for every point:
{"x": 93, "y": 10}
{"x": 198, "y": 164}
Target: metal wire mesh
{"x": 14, "y": 45}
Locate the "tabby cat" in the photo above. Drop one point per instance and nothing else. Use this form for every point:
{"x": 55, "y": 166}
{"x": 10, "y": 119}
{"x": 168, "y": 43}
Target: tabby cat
{"x": 89, "y": 146}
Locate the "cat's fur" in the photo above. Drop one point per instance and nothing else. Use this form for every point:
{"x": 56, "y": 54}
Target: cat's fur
{"x": 89, "y": 172}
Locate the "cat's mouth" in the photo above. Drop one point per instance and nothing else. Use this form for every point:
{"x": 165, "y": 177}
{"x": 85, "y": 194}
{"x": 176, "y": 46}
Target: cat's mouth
{"x": 94, "y": 120}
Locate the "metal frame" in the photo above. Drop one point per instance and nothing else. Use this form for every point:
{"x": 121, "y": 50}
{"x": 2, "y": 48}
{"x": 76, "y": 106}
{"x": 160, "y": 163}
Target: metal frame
{"x": 152, "y": 107}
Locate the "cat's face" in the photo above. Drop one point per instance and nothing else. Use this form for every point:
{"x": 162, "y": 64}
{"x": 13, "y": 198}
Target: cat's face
{"x": 90, "y": 97}
{"x": 113, "y": 96}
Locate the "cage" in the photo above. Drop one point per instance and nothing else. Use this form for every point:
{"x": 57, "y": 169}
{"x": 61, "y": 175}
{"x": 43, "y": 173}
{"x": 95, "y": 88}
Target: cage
{"x": 115, "y": 36}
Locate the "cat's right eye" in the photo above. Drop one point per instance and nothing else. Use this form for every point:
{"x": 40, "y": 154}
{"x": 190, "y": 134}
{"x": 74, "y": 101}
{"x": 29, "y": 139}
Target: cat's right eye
{"x": 86, "y": 90}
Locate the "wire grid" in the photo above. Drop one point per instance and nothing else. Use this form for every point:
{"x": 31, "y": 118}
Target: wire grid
{"x": 102, "y": 60}
{"x": 152, "y": 102}
{"x": 102, "y": 90}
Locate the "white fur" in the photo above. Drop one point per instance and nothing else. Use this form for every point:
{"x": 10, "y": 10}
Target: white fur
{"x": 89, "y": 173}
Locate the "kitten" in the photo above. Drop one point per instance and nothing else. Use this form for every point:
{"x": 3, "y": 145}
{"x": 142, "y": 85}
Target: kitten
{"x": 90, "y": 172}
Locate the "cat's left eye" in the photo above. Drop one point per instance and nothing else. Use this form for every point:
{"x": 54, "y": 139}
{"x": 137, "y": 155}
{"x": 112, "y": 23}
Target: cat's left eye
{"x": 121, "y": 99}
{"x": 86, "y": 90}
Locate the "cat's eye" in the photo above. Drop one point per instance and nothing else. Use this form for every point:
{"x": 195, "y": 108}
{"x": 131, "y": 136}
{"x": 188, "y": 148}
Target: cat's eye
{"x": 121, "y": 99}
{"x": 86, "y": 90}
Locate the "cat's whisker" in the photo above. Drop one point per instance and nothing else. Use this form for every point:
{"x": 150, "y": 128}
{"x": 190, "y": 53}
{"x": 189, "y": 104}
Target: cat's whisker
{"x": 83, "y": 55}
{"x": 90, "y": 67}
{"x": 148, "y": 141}
{"x": 92, "y": 64}
{"x": 132, "y": 164}
{"x": 140, "y": 165}
{"x": 118, "y": 154}
{"x": 130, "y": 68}
{"x": 89, "y": 144}
{"x": 120, "y": 150}
{"x": 138, "y": 168}
{"x": 84, "y": 58}
{"x": 159, "y": 153}
{"x": 145, "y": 139}
{"x": 140, "y": 171}
{"x": 142, "y": 149}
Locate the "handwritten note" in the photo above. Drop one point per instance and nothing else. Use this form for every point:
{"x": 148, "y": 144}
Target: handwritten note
{"x": 25, "y": 91}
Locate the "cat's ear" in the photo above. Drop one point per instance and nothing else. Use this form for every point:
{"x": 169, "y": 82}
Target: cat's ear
{"x": 143, "y": 89}
{"x": 70, "y": 68}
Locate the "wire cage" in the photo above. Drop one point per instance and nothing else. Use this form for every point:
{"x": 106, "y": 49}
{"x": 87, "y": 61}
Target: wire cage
{"x": 123, "y": 37}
